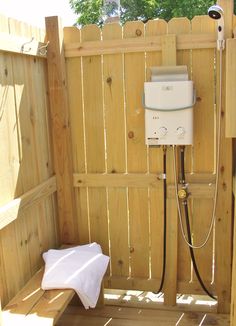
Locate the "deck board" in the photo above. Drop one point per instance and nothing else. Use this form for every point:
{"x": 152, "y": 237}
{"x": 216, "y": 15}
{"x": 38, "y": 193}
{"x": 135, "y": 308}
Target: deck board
{"x": 123, "y": 316}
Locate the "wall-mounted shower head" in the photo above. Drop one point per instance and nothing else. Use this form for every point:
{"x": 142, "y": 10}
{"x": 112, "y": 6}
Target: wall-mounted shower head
{"x": 217, "y": 13}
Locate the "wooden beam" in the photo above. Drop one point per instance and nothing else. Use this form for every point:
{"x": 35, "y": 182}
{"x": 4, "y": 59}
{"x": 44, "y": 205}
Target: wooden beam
{"x": 197, "y": 190}
{"x": 22, "y": 45}
{"x": 61, "y": 131}
{"x": 142, "y": 180}
{"x": 143, "y": 284}
{"x": 116, "y": 180}
{"x": 224, "y": 218}
{"x": 12, "y": 210}
{"x": 233, "y": 286}
{"x": 140, "y": 44}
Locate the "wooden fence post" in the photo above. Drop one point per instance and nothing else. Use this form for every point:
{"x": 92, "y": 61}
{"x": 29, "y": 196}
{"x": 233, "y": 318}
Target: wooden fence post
{"x": 59, "y": 113}
{"x": 170, "y": 288}
{"x": 224, "y": 205}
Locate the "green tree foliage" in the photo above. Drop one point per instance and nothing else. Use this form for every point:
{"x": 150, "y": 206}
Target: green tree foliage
{"x": 94, "y": 11}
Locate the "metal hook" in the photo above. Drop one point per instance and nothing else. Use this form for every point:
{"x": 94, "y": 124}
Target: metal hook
{"x": 42, "y": 50}
{"x": 23, "y": 45}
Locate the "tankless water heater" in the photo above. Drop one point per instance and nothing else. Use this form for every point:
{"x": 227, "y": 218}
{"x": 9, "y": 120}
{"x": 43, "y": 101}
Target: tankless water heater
{"x": 168, "y": 101}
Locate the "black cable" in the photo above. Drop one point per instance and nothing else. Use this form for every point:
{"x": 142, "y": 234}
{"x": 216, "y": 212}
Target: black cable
{"x": 185, "y": 203}
{"x": 182, "y": 148}
{"x": 164, "y": 221}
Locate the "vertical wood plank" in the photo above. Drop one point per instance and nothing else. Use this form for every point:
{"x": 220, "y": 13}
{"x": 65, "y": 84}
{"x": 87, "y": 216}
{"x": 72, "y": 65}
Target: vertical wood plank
{"x": 61, "y": 131}
{"x": 203, "y": 77}
{"x": 224, "y": 205}
{"x": 154, "y": 28}
{"x": 8, "y": 155}
{"x": 94, "y": 138}
{"x": 203, "y": 68}
{"x": 36, "y": 85}
{"x": 136, "y": 154}
{"x": 75, "y": 95}
{"x": 170, "y": 285}
{"x": 28, "y": 176}
{"x": 113, "y": 67}
{"x": 233, "y": 286}
{"x": 180, "y": 26}
{"x": 15, "y": 233}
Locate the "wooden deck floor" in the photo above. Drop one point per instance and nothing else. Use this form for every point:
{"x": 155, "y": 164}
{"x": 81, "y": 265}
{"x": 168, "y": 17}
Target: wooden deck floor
{"x": 124, "y": 316}
{"x": 137, "y": 308}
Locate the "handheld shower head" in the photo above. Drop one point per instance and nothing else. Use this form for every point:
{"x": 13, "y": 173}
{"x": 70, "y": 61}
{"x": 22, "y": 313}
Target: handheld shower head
{"x": 217, "y": 13}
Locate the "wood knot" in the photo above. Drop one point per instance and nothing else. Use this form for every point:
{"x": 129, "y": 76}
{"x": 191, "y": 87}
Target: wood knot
{"x": 109, "y": 80}
{"x": 113, "y": 171}
{"x": 120, "y": 262}
{"x": 222, "y": 169}
{"x": 131, "y": 134}
{"x": 222, "y": 114}
{"x": 6, "y": 72}
{"x": 138, "y": 32}
{"x": 198, "y": 99}
{"x": 131, "y": 250}
{"x": 224, "y": 186}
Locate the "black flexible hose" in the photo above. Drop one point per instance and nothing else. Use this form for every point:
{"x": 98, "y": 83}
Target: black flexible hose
{"x": 164, "y": 221}
{"x": 185, "y": 203}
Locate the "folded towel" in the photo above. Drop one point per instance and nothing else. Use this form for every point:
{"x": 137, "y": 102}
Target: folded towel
{"x": 80, "y": 268}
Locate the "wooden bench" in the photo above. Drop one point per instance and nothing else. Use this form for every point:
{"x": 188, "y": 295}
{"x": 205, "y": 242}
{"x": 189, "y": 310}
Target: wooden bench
{"x": 33, "y": 306}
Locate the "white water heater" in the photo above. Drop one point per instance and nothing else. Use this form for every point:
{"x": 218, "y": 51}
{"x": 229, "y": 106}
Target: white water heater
{"x": 168, "y": 100}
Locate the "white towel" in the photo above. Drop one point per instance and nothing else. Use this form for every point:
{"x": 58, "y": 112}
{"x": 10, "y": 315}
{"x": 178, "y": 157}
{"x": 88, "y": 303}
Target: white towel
{"x": 80, "y": 268}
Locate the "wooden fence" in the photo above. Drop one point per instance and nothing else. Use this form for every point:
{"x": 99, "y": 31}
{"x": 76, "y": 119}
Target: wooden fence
{"x": 27, "y": 184}
{"x": 99, "y": 77}
{"x": 118, "y": 193}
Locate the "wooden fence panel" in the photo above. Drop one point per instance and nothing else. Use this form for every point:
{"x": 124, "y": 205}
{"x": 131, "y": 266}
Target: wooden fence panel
{"x": 133, "y": 209}
{"x": 26, "y": 146}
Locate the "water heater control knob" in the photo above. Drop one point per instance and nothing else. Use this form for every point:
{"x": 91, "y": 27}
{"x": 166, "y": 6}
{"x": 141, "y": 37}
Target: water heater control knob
{"x": 162, "y": 131}
{"x": 180, "y": 131}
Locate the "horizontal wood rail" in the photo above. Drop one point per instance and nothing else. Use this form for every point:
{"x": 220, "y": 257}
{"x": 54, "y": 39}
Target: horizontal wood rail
{"x": 130, "y": 283}
{"x": 116, "y": 180}
{"x": 200, "y": 185}
{"x": 197, "y": 190}
{"x": 12, "y": 210}
{"x": 139, "y": 44}
{"x": 22, "y": 45}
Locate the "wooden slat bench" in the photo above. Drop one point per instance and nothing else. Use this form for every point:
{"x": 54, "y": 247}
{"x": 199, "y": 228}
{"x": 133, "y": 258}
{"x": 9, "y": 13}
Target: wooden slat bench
{"x": 33, "y": 306}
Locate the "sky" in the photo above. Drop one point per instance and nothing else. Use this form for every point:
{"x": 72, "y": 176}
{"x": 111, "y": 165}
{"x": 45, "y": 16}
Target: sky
{"x": 34, "y": 11}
